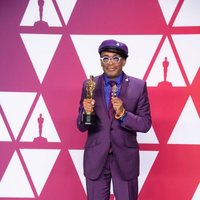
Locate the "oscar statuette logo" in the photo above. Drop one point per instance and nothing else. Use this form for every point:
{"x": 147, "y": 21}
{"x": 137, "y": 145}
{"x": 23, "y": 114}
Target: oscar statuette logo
{"x": 40, "y": 139}
{"x": 89, "y": 117}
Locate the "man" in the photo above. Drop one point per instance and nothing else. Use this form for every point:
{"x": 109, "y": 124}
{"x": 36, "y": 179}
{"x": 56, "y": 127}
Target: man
{"x": 111, "y": 149}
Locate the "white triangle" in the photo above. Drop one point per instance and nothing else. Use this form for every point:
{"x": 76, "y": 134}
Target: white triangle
{"x": 137, "y": 61}
{"x": 32, "y": 14}
{"x": 189, "y": 14}
{"x": 48, "y": 129}
{"x": 66, "y": 7}
{"x": 77, "y": 158}
{"x": 39, "y": 163}
{"x": 41, "y": 49}
{"x": 168, "y": 7}
{"x": 197, "y": 193}
{"x": 16, "y": 106}
{"x": 188, "y": 52}
{"x": 147, "y": 159}
{"x": 147, "y": 138}
{"x": 4, "y": 134}
{"x": 187, "y": 128}
{"x": 173, "y": 75}
{"x": 14, "y": 182}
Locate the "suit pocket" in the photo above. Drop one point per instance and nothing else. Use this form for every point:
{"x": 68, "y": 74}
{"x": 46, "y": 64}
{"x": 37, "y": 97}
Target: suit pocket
{"x": 130, "y": 141}
{"x": 91, "y": 143}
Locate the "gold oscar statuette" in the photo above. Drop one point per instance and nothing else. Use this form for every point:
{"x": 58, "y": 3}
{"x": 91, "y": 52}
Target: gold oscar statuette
{"x": 89, "y": 117}
{"x": 114, "y": 90}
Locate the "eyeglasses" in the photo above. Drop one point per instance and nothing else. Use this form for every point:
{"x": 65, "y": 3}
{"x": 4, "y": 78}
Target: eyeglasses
{"x": 107, "y": 59}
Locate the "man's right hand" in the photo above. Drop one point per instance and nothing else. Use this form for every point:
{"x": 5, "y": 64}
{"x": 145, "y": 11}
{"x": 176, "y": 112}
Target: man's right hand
{"x": 88, "y": 105}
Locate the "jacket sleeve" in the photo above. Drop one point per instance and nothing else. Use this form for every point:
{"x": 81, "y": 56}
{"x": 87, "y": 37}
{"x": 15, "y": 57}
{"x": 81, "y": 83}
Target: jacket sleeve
{"x": 140, "y": 119}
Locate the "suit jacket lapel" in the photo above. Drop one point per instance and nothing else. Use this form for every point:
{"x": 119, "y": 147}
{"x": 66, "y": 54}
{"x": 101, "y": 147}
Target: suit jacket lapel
{"x": 124, "y": 86}
{"x": 100, "y": 93}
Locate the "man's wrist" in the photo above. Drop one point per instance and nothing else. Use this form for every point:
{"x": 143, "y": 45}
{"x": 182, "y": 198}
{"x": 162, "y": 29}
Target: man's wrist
{"x": 118, "y": 116}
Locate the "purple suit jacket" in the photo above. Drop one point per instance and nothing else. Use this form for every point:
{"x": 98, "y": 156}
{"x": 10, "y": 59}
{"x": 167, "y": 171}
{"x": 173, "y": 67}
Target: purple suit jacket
{"x": 108, "y": 131}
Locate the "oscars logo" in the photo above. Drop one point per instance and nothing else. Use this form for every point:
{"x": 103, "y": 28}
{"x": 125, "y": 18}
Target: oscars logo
{"x": 165, "y": 83}
{"x": 40, "y": 138}
{"x": 41, "y": 23}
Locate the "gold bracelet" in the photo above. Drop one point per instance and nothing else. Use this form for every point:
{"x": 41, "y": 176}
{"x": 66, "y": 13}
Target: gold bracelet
{"x": 117, "y": 116}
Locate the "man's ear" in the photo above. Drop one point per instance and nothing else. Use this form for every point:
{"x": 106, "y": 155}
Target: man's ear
{"x": 124, "y": 62}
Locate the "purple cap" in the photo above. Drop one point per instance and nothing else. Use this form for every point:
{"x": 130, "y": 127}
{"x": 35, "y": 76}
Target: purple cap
{"x": 114, "y": 46}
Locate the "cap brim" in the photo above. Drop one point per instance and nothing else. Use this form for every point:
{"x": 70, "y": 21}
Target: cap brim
{"x": 114, "y": 50}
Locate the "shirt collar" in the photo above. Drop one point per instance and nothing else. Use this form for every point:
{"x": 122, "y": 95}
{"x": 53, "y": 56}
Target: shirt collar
{"x": 118, "y": 79}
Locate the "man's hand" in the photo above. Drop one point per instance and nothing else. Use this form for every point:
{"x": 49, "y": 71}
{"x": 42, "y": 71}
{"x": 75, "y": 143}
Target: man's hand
{"x": 88, "y": 105}
{"x": 117, "y": 105}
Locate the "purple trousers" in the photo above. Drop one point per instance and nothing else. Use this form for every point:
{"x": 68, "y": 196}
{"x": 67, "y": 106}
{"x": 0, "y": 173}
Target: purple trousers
{"x": 99, "y": 189}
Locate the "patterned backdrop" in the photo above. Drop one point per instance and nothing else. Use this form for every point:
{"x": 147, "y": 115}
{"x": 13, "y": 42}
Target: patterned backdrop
{"x": 47, "y": 49}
